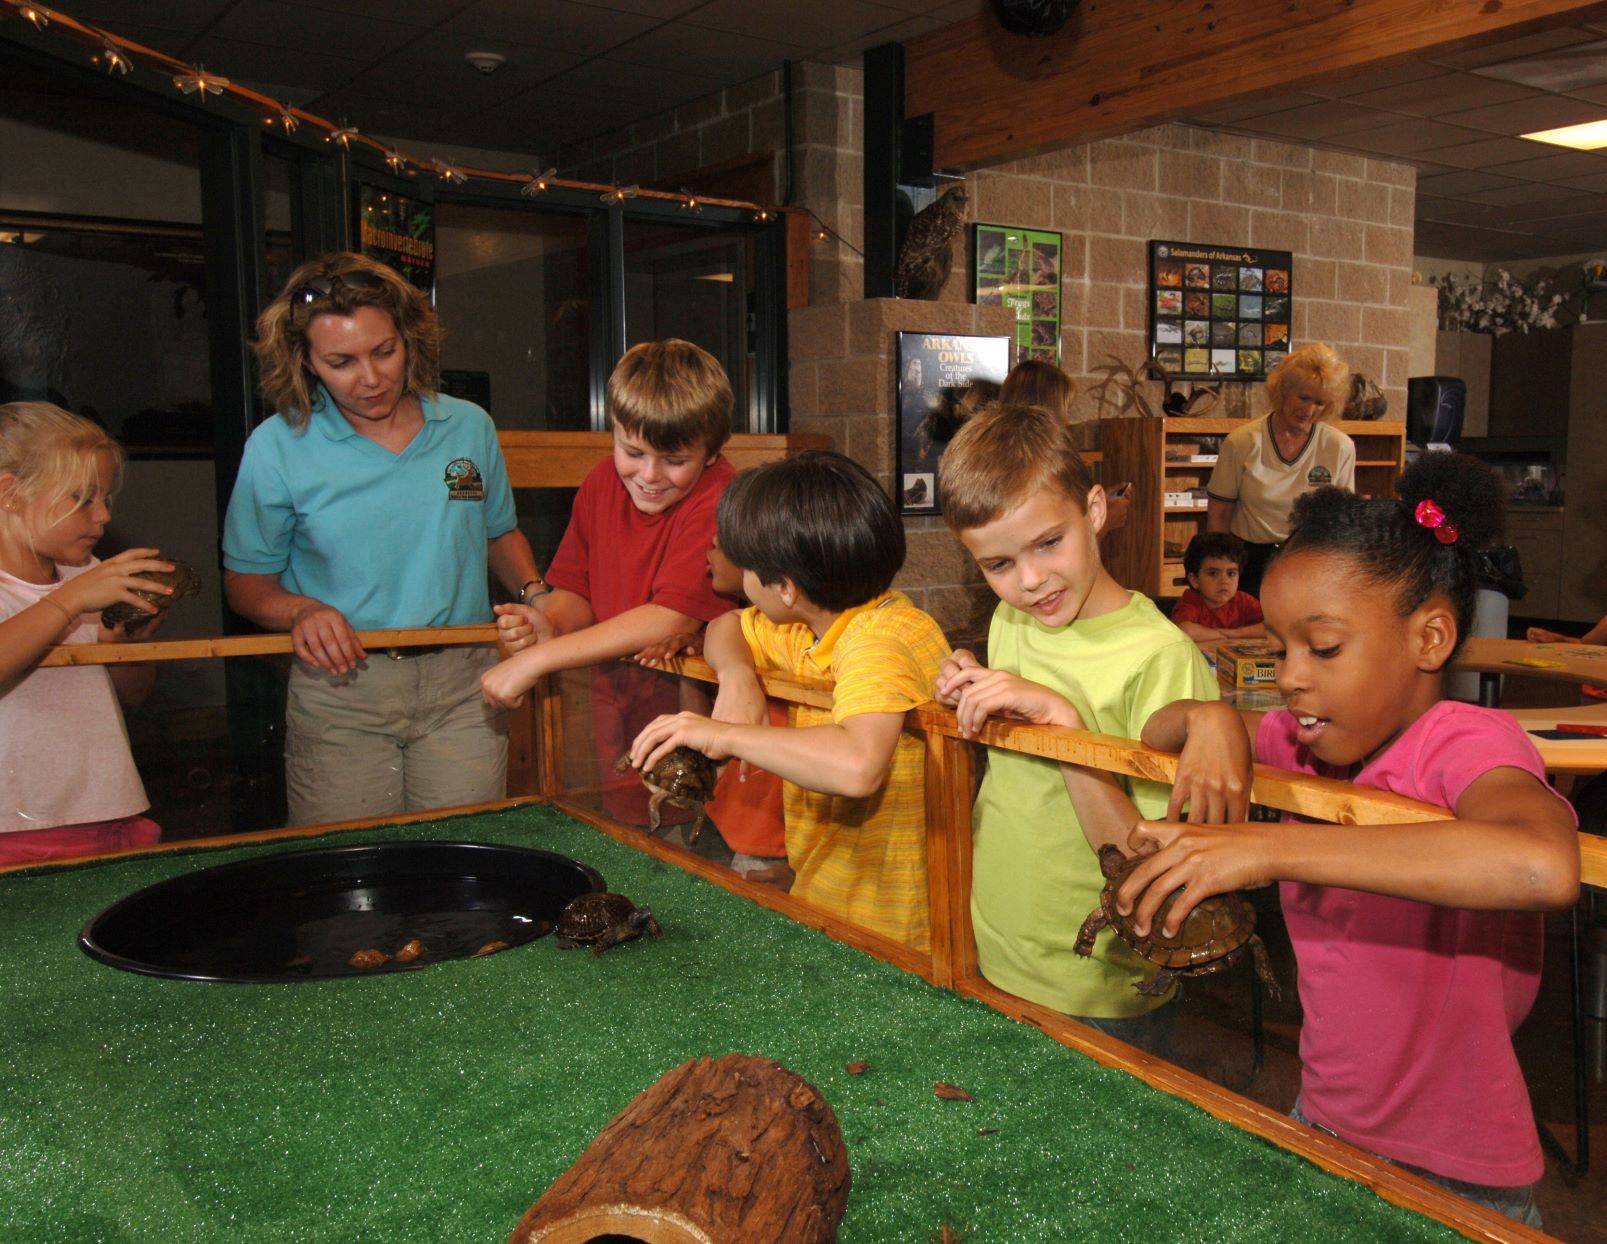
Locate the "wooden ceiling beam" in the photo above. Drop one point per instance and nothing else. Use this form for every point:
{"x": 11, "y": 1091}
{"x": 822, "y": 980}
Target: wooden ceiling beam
{"x": 1120, "y": 66}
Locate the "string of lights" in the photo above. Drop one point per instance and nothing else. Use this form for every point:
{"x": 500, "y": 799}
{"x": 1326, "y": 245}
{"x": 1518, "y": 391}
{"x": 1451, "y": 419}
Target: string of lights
{"x": 119, "y": 56}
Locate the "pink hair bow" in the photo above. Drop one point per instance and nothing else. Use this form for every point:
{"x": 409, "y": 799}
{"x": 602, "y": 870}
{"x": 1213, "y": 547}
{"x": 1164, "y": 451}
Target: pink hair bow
{"x": 1429, "y": 515}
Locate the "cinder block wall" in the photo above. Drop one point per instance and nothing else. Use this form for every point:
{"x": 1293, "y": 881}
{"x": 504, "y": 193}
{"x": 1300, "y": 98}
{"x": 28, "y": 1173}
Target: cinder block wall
{"x": 828, "y": 156}
{"x": 1347, "y": 219}
{"x": 843, "y": 364}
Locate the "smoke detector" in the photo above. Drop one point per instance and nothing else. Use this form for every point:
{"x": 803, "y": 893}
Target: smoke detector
{"x": 486, "y": 62}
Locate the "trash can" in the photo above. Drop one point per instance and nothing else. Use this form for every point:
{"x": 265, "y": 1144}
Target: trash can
{"x": 1500, "y": 582}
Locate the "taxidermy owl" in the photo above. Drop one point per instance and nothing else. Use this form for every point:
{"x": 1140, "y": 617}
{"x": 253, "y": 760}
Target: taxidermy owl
{"x": 927, "y": 255}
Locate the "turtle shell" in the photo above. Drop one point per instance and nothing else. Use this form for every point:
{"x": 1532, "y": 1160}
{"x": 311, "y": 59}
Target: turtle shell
{"x": 683, "y": 773}
{"x": 1214, "y": 930}
{"x": 182, "y": 579}
{"x": 588, "y": 917}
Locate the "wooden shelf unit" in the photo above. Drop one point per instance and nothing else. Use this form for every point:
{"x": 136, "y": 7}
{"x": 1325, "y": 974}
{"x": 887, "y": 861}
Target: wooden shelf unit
{"x": 1135, "y": 450}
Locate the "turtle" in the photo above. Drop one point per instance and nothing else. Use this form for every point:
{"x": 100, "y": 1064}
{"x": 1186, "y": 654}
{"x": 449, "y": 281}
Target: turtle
{"x": 1215, "y": 935}
{"x": 684, "y": 778}
{"x": 601, "y": 920}
{"x": 182, "y": 579}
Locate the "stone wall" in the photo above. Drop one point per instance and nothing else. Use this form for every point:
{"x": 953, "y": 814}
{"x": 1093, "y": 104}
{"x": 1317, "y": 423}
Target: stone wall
{"x": 843, "y": 387}
{"x": 1347, "y": 219}
{"x": 828, "y": 156}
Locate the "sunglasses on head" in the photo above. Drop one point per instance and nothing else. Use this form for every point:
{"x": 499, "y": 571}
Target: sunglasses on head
{"x": 323, "y": 286}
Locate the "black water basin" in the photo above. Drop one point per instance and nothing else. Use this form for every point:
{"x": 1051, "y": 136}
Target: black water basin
{"x": 302, "y": 915}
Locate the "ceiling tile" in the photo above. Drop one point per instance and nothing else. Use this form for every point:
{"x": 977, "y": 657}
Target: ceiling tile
{"x": 1561, "y": 203}
{"x": 1345, "y": 85}
{"x": 431, "y": 71}
{"x": 189, "y": 16}
{"x": 1595, "y": 94}
{"x": 710, "y": 53}
{"x": 850, "y": 52}
{"x": 1457, "y": 212}
{"x": 1596, "y": 183}
{"x": 1513, "y": 196}
{"x": 310, "y": 29}
{"x": 1566, "y": 70}
{"x": 1511, "y": 49}
{"x": 1556, "y": 167}
{"x": 661, "y": 9}
{"x": 410, "y": 12}
{"x": 1256, "y": 106}
{"x": 1488, "y": 151}
{"x": 263, "y": 63}
{"x": 816, "y": 24}
{"x": 1403, "y": 136}
{"x": 1544, "y": 112}
{"x": 1322, "y": 119}
{"x": 655, "y": 88}
{"x": 1466, "y": 181}
{"x": 545, "y": 112}
{"x": 1434, "y": 96}
{"x": 560, "y": 25}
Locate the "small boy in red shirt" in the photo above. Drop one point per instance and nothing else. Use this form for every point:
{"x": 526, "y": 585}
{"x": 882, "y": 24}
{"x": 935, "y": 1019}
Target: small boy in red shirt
{"x": 630, "y": 570}
{"x": 1212, "y": 607}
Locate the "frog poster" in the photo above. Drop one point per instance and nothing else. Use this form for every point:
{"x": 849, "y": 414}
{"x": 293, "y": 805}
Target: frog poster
{"x": 942, "y": 377}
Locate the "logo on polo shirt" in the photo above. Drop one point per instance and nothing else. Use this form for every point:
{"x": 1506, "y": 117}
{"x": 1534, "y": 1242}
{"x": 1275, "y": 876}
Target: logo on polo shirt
{"x": 1319, "y": 475}
{"x": 463, "y": 482}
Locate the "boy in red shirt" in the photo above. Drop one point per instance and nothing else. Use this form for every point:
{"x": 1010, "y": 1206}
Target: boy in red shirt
{"x": 1212, "y": 607}
{"x": 630, "y": 570}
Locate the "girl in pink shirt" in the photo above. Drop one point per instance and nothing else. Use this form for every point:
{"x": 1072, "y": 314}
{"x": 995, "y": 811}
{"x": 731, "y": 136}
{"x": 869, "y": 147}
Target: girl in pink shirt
{"x": 68, "y": 785}
{"x": 1419, "y": 946}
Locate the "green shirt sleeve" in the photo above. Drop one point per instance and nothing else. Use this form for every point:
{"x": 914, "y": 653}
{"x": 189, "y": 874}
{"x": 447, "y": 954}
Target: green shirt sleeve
{"x": 1177, "y": 671}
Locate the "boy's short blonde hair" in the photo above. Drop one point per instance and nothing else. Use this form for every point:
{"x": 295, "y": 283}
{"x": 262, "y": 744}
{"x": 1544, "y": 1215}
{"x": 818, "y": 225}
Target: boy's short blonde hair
{"x": 1003, "y": 455}
{"x": 52, "y": 454}
{"x": 1319, "y": 364}
{"x": 671, "y": 394}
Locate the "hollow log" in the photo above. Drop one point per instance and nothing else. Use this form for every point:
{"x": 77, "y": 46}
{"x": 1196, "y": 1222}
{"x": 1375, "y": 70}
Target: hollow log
{"x": 718, "y": 1150}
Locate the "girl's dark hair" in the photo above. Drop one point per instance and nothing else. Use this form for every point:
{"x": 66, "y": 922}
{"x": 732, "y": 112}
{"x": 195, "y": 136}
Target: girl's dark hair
{"x": 819, "y": 519}
{"x": 1393, "y": 546}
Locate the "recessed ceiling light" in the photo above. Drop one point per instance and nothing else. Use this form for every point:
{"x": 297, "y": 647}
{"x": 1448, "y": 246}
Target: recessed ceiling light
{"x": 1591, "y": 136}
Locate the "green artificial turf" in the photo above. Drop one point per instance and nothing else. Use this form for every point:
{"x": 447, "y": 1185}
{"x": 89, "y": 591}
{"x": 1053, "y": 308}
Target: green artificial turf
{"x": 439, "y": 1104}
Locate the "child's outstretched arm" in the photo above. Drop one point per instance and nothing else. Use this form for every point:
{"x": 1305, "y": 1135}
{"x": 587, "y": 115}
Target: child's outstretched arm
{"x": 1215, "y": 763}
{"x": 1104, "y": 810}
{"x": 849, "y": 758}
{"x": 1512, "y": 847}
{"x": 25, "y": 636}
{"x": 505, "y": 684}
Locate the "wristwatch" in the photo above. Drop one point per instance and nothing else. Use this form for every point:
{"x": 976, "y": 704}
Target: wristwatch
{"x": 527, "y": 593}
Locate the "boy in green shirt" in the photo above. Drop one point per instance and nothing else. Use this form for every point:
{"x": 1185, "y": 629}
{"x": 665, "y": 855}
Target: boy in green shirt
{"x": 1068, "y": 646}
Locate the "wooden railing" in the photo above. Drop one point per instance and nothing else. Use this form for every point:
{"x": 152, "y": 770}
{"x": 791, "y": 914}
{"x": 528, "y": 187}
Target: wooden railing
{"x": 563, "y": 459}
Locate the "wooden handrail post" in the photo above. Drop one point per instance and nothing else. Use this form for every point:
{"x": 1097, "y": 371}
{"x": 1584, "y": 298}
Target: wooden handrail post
{"x": 546, "y": 713}
{"x": 950, "y": 785}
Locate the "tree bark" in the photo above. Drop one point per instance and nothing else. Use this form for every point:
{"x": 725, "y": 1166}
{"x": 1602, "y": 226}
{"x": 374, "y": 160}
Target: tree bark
{"x": 731, "y": 1149}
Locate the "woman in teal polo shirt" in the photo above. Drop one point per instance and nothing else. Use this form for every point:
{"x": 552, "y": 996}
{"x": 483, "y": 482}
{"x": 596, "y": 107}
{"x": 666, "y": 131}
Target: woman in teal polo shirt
{"x": 368, "y": 501}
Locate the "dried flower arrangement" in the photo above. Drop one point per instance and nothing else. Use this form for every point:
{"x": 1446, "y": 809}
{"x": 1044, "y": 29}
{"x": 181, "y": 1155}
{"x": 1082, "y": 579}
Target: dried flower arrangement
{"x": 1504, "y": 305}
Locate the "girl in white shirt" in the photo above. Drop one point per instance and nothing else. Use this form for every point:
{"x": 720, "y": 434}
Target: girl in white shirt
{"x": 68, "y": 785}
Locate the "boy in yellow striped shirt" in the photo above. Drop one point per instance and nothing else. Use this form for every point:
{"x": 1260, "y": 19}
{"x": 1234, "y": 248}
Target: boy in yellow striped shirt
{"x": 819, "y": 542}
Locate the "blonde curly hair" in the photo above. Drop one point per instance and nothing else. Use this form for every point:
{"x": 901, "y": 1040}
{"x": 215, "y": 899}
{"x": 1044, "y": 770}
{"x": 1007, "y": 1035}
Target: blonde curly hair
{"x": 1318, "y": 363}
{"x": 287, "y": 383}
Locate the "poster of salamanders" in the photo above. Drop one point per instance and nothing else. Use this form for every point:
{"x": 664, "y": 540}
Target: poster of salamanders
{"x": 1219, "y": 311}
{"x": 941, "y": 376}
